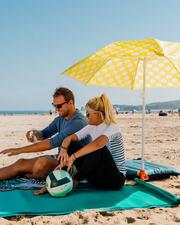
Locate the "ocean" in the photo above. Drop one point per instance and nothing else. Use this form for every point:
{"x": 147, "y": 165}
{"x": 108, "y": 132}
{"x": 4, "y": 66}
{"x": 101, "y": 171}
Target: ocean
{"x": 24, "y": 112}
{"x": 30, "y": 112}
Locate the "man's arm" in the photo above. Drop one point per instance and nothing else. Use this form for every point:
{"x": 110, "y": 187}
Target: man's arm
{"x": 51, "y": 129}
{"x": 37, "y": 147}
{"x": 73, "y": 127}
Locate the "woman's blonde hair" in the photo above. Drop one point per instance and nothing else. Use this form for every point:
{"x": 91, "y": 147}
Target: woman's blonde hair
{"x": 102, "y": 104}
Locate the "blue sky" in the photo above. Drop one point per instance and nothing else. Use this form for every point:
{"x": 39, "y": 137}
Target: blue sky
{"x": 39, "y": 39}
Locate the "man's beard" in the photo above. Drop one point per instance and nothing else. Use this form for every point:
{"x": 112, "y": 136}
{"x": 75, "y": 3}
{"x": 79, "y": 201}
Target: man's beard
{"x": 65, "y": 114}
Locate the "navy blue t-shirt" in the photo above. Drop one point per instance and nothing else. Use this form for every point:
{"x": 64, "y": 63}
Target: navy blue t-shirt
{"x": 61, "y": 128}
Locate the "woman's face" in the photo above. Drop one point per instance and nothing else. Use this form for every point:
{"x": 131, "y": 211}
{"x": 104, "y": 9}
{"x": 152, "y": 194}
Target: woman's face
{"x": 93, "y": 117}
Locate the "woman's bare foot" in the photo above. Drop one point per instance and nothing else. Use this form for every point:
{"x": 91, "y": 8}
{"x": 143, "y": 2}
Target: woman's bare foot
{"x": 43, "y": 190}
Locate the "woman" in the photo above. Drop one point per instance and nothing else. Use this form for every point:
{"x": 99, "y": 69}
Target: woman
{"x": 102, "y": 161}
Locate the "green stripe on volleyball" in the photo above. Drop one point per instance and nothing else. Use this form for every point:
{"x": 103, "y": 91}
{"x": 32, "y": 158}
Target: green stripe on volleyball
{"x": 59, "y": 183}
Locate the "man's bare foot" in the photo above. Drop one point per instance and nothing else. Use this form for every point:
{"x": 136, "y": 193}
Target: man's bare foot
{"x": 43, "y": 190}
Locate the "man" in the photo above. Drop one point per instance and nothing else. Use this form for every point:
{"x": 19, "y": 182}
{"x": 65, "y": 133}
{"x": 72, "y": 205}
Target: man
{"x": 68, "y": 122}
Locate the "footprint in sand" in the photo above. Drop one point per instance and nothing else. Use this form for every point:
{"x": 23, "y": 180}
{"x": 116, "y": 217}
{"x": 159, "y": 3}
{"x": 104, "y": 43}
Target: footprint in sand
{"x": 104, "y": 213}
{"x": 177, "y": 217}
{"x": 143, "y": 217}
{"x": 130, "y": 220}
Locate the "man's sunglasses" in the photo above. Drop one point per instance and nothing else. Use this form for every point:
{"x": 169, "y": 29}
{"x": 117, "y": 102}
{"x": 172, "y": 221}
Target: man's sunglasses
{"x": 58, "y": 106}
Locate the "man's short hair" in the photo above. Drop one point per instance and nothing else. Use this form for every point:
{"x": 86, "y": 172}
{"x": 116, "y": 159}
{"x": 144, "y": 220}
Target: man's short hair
{"x": 67, "y": 93}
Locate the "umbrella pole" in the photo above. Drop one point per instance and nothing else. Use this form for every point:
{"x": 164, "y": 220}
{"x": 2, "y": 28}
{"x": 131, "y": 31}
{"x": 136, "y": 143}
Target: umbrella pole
{"x": 143, "y": 112}
{"x": 142, "y": 174}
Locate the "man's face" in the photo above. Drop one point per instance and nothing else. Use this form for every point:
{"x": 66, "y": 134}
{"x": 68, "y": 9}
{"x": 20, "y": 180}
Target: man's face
{"x": 61, "y": 106}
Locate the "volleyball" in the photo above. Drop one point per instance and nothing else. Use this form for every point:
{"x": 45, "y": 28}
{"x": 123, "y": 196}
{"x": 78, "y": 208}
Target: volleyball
{"x": 59, "y": 183}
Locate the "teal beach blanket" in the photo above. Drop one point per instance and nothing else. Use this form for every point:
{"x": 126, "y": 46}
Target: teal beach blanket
{"x": 155, "y": 171}
{"x": 140, "y": 195}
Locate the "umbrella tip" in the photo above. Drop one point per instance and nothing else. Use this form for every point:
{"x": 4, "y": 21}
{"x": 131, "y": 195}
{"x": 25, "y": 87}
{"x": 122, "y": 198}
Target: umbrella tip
{"x": 143, "y": 175}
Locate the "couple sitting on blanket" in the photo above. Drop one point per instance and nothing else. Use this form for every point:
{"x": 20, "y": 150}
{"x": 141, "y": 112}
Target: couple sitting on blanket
{"x": 92, "y": 151}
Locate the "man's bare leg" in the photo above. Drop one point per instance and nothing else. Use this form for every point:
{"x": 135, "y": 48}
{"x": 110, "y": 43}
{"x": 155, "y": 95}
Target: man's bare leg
{"x": 20, "y": 167}
{"x": 38, "y": 167}
{"x": 43, "y": 166}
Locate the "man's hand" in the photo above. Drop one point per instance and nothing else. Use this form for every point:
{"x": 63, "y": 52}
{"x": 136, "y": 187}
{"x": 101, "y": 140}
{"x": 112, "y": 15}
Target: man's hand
{"x": 34, "y": 135}
{"x": 11, "y": 151}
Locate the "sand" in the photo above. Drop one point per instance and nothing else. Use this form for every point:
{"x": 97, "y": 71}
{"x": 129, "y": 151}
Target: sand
{"x": 162, "y": 146}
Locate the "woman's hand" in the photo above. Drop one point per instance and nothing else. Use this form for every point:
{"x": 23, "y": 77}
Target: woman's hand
{"x": 11, "y": 151}
{"x": 70, "y": 162}
{"x": 63, "y": 158}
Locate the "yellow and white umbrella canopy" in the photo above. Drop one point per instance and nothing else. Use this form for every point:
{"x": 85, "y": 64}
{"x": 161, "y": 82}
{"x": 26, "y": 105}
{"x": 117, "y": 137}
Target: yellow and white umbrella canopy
{"x": 141, "y": 64}
{"x": 120, "y": 64}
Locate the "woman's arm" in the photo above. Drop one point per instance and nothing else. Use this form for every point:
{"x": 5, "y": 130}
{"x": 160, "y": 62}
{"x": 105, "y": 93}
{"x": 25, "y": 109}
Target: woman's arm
{"x": 67, "y": 141}
{"x": 98, "y": 143}
{"x": 63, "y": 155}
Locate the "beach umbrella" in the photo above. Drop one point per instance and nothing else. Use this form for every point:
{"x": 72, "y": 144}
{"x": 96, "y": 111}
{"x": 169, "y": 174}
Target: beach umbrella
{"x": 136, "y": 64}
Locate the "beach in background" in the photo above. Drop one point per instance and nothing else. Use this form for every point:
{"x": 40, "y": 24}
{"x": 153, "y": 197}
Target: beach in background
{"x": 162, "y": 145}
